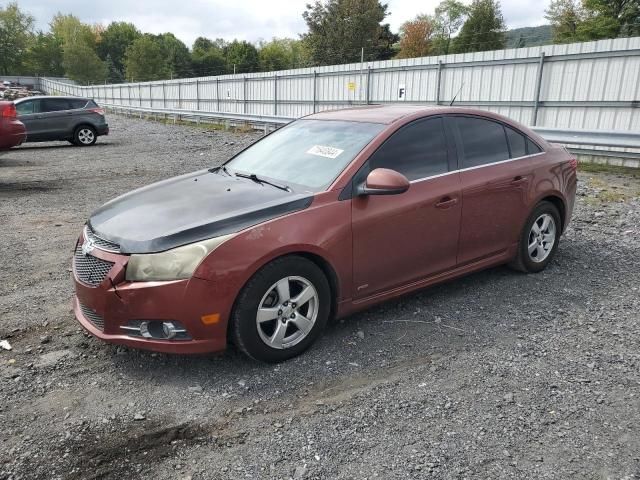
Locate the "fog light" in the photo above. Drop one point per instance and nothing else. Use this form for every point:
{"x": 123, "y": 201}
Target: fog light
{"x": 156, "y": 329}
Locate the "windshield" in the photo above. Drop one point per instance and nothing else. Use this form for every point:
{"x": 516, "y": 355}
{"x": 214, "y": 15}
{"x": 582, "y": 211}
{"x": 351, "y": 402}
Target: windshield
{"x": 311, "y": 153}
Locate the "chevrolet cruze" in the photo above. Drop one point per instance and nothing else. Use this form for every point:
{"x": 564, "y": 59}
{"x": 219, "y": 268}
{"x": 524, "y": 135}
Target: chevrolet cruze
{"x": 328, "y": 215}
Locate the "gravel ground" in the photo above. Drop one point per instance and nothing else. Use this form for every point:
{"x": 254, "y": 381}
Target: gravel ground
{"x": 497, "y": 375}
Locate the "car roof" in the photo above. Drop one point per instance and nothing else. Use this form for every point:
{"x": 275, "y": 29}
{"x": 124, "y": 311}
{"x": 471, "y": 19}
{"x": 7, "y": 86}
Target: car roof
{"x": 388, "y": 114}
{"x": 39, "y": 97}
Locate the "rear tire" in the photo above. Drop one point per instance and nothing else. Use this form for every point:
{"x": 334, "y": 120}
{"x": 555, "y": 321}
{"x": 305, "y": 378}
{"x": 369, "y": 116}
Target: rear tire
{"x": 539, "y": 239}
{"x": 267, "y": 324}
{"x": 85, "y": 136}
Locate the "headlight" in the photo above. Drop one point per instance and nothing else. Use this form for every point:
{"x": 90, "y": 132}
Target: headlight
{"x": 175, "y": 264}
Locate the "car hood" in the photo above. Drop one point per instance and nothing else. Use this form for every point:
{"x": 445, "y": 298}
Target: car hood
{"x": 190, "y": 208}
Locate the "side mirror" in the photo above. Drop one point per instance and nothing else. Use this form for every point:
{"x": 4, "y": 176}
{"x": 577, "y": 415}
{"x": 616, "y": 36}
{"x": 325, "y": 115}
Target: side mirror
{"x": 383, "y": 181}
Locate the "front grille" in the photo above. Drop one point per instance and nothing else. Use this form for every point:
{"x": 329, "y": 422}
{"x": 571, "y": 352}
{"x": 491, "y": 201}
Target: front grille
{"x": 93, "y": 317}
{"x": 89, "y": 269}
{"x": 101, "y": 243}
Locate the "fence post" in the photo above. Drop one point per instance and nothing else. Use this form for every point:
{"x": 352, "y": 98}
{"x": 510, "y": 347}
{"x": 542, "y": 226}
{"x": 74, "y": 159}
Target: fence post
{"x": 140, "y": 95}
{"x": 536, "y": 100}
{"x": 198, "y": 97}
{"x": 315, "y": 91}
{"x": 150, "y": 97}
{"x": 275, "y": 94}
{"x": 244, "y": 95}
{"x": 217, "y": 94}
{"x": 164, "y": 97}
{"x": 368, "y": 97}
{"x": 129, "y": 94}
{"x": 179, "y": 95}
{"x": 438, "y": 82}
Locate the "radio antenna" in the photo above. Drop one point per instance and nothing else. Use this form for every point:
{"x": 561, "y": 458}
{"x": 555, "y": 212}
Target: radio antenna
{"x": 456, "y": 95}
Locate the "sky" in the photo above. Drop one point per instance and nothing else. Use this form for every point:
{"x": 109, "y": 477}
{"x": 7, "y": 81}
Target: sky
{"x": 251, "y": 20}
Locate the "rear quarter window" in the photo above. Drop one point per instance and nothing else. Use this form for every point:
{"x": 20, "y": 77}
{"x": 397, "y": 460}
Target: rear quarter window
{"x": 532, "y": 147}
{"x": 517, "y": 143}
{"x": 76, "y": 104}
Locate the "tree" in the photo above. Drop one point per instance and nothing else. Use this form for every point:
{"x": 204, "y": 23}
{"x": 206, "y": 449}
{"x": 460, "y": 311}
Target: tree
{"x": 415, "y": 37}
{"x": 565, "y": 16}
{"x": 114, "y": 75}
{"x": 483, "y": 29}
{"x": 44, "y": 56}
{"x": 15, "y": 35}
{"x": 243, "y": 55}
{"x": 609, "y": 19}
{"x": 68, "y": 29}
{"x": 207, "y": 57}
{"x": 449, "y": 17}
{"x": 145, "y": 60}
{"x": 113, "y": 44}
{"x": 386, "y": 47}
{"x": 82, "y": 64}
{"x": 282, "y": 53}
{"x": 340, "y": 29}
{"x": 178, "y": 58}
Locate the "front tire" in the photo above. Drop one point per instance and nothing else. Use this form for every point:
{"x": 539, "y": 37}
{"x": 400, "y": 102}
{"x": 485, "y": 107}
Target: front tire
{"x": 85, "y": 136}
{"x": 539, "y": 239}
{"x": 282, "y": 310}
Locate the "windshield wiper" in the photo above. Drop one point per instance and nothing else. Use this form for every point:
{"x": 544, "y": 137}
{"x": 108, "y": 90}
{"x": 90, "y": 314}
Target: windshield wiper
{"x": 255, "y": 178}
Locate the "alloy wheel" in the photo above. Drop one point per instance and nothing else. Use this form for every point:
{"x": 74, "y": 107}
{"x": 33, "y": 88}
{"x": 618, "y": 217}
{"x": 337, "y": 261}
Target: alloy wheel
{"x": 542, "y": 237}
{"x": 86, "y": 136}
{"x": 287, "y": 312}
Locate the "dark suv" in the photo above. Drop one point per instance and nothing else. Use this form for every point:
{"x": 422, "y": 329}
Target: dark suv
{"x": 78, "y": 120}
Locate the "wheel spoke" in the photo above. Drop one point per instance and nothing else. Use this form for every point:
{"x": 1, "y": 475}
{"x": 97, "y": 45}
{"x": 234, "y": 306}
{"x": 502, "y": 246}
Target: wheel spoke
{"x": 304, "y": 296}
{"x": 545, "y": 223}
{"x": 303, "y": 323}
{"x": 265, "y": 314}
{"x": 532, "y": 247}
{"x": 283, "y": 290}
{"x": 277, "y": 338}
{"x": 535, "y": 228}
{"x": 548, "y": 238}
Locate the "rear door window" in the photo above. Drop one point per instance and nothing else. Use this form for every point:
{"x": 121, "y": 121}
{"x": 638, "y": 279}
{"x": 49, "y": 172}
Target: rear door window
{"x": 55, "y": 104}
{"x": 517, "y": 143}
{"x": 483, "y": 141}
{"x": 418, "y": 150}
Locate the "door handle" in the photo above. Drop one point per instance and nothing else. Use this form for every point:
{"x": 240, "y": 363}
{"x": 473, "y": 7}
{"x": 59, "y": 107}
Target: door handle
{"x": 446, "y": 202}
{"x": 519, "y": 180}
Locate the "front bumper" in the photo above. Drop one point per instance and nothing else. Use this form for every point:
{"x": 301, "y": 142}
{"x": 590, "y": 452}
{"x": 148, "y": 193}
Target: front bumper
{"x": 114, "y": 303}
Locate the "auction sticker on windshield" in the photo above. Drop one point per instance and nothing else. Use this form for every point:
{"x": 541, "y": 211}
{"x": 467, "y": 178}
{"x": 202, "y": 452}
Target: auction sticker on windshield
{"x": 322, "y": 151}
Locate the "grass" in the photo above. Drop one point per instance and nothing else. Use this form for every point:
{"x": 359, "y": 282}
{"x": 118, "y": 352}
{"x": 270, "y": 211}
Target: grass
{"x": 610, "y": 169}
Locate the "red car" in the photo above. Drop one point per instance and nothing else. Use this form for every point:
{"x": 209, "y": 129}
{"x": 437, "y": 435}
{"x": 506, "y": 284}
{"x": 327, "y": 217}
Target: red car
{"x": 12, "y": 130}
{"x": 329, "y": 215}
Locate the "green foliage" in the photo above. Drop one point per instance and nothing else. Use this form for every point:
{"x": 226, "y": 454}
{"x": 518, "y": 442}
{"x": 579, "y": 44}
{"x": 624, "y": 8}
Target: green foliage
{"x": 449, "y": 17}
{"x": 483, "y": 29}
{"x": 113, "y": 44}
{"x": 416, "y": 37}
{"x": 15, "y": 34}
{"x": 207, "y": 57}
{"x": 564, "y": 16}
{"x": 177, "y": 56}
{"x": 82, "y": 64}
{"x": 243, "y": 55}
{"x": 340, "y": 29}
{"x": 70, "y": 30}
{"x": 145, "y": 60}
{"x": 44, "y": 56}
{"x": 282, "y": 54}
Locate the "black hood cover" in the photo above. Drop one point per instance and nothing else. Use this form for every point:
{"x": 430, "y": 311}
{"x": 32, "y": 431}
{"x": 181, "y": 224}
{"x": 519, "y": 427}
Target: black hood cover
{"x": 190, "y": 208}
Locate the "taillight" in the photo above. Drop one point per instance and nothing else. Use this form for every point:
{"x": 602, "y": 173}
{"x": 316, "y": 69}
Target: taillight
{"x": 573, "y": 163}
{"x": 99, "y": 111}
{"x": 8, "y": 111}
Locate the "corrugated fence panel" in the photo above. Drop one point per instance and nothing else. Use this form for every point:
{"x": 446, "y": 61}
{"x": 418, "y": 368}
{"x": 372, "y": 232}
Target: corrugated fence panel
{"x": 592, "y": 85}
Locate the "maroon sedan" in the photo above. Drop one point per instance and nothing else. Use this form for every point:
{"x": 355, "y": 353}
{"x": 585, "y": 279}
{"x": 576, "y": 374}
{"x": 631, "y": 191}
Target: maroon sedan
{"x": 329, "y": 215}
{"x": 12, "y": 130}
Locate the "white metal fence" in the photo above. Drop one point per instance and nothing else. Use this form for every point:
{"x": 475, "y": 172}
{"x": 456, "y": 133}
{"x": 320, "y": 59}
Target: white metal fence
{"x": 593, "y": 85}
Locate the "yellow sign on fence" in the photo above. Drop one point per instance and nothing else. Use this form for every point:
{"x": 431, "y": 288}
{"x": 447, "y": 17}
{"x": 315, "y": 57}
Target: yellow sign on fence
{"x": 351, "y": 86}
